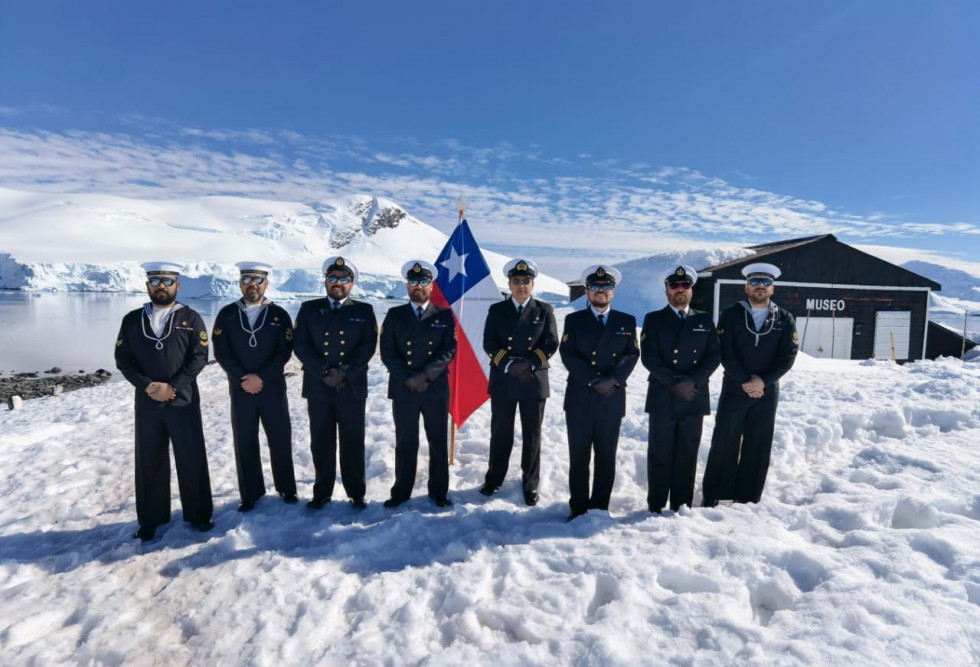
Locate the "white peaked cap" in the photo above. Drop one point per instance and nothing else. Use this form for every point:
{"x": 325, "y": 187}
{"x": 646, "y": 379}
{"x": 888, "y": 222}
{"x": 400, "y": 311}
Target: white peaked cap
{"x": 515, "y": 264}
{"x": 603, "y": 272}
{"x": 340, "y": 263}
{"x": 422, "y": 264}
{"x": 761, "y": 268}
{"x": 260, "y": 267}
{"x": 161, "y": 267}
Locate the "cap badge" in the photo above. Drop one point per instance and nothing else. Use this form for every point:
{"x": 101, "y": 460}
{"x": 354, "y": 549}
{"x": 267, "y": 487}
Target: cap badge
{"x": 600, "y": 272}
{"x": 417, "y": 268}
{"x": 339, "y": 262}
{"x": 521, "y": 266}
{"x": 680, "y": 271}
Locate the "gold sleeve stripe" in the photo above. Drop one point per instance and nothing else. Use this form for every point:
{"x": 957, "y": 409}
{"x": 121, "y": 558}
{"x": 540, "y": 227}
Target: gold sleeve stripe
{"x": 499, "y": 356}
{"x": 541, "y": 356}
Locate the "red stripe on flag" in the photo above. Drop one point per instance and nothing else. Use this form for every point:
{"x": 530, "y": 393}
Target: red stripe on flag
{"x": 467, "y": 381}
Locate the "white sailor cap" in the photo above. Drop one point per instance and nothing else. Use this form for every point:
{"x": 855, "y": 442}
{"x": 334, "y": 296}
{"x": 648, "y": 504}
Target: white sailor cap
{"x": 682, "y": 273}
{"x": 602, "y": 273}
{"x": 338, "y": 263}
{"x": 761, "y": 269}
{"x": 520, "y": 267}
{"x": 254, "y": 267}
{"x": 156, "y": 268}
{"x": 419, "y": 268}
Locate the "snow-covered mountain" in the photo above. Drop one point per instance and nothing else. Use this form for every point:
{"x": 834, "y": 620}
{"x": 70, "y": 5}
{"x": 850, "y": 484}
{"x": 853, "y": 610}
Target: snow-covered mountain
{"x": 90, "y": 242}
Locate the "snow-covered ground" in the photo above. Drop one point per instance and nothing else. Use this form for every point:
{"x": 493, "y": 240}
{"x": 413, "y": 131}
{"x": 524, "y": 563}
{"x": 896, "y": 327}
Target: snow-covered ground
{"x": 865, "y": 549}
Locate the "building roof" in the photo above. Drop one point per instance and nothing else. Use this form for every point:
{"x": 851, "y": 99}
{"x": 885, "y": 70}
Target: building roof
{"x": 841, "y": 264}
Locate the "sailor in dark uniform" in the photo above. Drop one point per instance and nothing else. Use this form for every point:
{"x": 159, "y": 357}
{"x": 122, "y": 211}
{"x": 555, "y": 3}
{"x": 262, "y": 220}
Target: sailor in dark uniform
{"x": 418, "y": 340}
{"x": 335, "y": 338}
{"x": 520, "y": 335}
{"x": 599, "y": 348}
{"x": 679, "y": 346}
{"x": 161, "y": 348}
{"x": 253, "y": 340}
{"x": 758, "y": 346}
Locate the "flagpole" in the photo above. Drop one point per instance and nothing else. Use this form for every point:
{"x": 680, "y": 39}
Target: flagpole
{"x": 461, "y": 204}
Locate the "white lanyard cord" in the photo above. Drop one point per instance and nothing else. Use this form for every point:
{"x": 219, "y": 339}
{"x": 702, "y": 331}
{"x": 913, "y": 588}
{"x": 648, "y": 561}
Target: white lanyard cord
{"x": 160, "y": 340}
{"x": 252, "y": 340}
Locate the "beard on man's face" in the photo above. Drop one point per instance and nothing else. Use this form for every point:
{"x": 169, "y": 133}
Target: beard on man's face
{"x": 162, "y": 297}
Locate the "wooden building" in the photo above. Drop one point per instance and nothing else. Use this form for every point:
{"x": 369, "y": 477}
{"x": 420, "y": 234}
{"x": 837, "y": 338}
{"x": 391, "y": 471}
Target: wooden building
{"x": 848, "y": 304}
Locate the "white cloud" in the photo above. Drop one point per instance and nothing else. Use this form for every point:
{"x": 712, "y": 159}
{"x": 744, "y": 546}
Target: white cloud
{"x": 511, "y": 203}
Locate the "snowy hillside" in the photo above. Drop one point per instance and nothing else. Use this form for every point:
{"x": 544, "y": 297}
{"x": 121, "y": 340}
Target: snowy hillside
{"x": 864, "y": 551}
{"x": 87, "y": 242}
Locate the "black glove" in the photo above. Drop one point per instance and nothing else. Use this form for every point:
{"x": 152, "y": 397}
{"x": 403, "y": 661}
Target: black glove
{"x": 334, "y": 379}
{"x": 685, "y": 389}
{"x": 417, "y": 382}
{"x": 519, "y": 367}
{"x": 605, "y": 386}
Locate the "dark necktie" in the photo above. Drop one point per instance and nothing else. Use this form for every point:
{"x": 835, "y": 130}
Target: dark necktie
{"x": 601, "y": 318}
{"x": 682, "y": 314}
{"x": 418, "y": 312}
{"x": 520, "y": 310}
{"x": 336, "y": 306}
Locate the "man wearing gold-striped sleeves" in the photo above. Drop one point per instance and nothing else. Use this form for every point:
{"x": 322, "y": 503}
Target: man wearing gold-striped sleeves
{"x": 520, "y": 335}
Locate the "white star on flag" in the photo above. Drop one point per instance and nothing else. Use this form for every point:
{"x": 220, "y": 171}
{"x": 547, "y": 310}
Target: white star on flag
{"x": 455, "y": 264}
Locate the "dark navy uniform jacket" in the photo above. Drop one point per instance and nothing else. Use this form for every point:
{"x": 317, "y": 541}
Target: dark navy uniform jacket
{"x": 273, "y": 337}
{"x": 768, "y": 352}
{"x": 593, "y": 351}
{"x": 347, "y": 340}
{"x": 673, "y": 350}
{"x": 533, "y": 336}
{"x": 184, "y": 354}
{"x": 410, "y": 345}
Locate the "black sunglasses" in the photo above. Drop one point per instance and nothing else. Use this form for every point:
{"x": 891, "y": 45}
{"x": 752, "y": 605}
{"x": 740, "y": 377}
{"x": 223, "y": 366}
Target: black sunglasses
{"x": 601, "y": 287}
{"x": 424, "y": 282}
{"x": 252, "y": 280}
{"x": 679, "y": 286}
{"x": 521, "y": 281}
{"x": 756, "y": 281}
{"x": 343, "y": 280}
{"x": 156, "y": 281}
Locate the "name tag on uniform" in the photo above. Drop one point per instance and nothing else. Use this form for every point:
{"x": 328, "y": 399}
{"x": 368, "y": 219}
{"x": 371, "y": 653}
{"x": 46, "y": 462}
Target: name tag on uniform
{"x": 700, "y": 329}
{"x": 623, "y": 333}
{"x": 436, "y": 325}
{"x": 180, "y": 328}
{"x": 356, "y": 319}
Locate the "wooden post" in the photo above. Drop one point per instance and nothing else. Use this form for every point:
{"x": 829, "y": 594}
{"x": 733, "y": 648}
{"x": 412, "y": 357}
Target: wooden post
{"x": 452, "y": 443}
{"x": 891, "y": 335}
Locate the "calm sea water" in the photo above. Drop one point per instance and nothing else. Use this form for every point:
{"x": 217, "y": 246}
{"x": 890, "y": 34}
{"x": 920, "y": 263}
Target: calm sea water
{"x": 77, "y": 331}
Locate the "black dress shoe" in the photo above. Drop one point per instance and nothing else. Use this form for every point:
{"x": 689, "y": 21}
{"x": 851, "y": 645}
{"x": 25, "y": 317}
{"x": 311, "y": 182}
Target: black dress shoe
{"x": 576, "y": 514}
{"x": 656, "y": 510}
{"x": 488, "y": 490}
{"x": 289, "y": 498}
{"x": 145, "y": 533}
{"x": 358, "y": 503}
{"x": 317, "y": 503}
{"x": 394, "y": 502}
{"x": 530, "y": 498}
{"x": 246, "y": 506}
{"x": 203, "y": 526}
{"x": 443, "y": 501}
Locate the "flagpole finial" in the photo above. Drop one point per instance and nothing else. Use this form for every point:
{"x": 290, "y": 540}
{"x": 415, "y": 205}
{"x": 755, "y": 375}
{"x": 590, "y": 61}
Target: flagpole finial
{"x": 461, "y": 206}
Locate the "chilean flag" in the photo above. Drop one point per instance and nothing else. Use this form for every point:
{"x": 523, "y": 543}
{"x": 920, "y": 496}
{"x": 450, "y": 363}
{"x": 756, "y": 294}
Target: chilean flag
{"x": 465, "y": 285}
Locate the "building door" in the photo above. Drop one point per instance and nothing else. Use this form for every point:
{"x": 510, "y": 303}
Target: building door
{"x": 826, "y": 337}
{"x": 893, "y": 328}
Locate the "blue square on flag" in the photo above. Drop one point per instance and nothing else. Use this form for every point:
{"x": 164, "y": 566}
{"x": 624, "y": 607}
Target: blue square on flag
{"x": 461, "y": 264}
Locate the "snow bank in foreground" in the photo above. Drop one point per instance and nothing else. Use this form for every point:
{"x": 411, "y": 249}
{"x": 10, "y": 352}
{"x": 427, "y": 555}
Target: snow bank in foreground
{"x": 865, "y": 549}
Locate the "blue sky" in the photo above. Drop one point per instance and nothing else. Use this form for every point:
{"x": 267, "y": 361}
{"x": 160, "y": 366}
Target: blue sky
{"x": 702, "y": 117}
